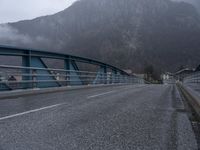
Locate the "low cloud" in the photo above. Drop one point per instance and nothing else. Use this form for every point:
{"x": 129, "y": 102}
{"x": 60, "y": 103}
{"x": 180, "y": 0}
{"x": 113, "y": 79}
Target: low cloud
{"x": 12, "y": 35}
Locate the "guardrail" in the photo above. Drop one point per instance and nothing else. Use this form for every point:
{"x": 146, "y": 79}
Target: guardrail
{"x": 34, "y": 73}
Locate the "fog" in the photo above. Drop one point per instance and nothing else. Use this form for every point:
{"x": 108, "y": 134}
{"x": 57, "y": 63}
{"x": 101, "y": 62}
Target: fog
{"x": 10, "y": 34}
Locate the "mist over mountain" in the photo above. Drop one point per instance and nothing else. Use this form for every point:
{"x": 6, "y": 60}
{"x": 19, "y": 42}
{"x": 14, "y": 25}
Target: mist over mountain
{"x": 128, "y": 34}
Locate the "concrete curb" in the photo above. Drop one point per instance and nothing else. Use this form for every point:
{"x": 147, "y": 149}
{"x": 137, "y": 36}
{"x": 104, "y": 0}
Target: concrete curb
{"x": 18, "y": 93}
{"x": 192, "y": 97}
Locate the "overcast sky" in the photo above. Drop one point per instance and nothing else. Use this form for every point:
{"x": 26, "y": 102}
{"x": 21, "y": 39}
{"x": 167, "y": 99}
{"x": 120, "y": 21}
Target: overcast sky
{"x": 15, "y": 10}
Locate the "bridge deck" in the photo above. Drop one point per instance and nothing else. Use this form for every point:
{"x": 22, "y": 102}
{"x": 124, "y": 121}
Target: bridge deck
{"x": 108, "y": 118}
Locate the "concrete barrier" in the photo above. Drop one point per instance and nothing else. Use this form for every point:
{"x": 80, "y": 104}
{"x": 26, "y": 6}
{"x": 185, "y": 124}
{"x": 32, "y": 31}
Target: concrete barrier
{"x": 192, "y": 97}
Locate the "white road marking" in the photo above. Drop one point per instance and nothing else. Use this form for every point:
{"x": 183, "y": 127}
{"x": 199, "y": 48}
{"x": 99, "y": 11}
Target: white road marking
{"x": 52, "y": 106}
{"x": 93, "y": 96}
{"x": 30, "y": 111}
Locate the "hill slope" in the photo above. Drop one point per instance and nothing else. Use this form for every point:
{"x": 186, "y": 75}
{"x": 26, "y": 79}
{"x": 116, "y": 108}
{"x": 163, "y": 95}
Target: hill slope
{"x": 128, "y": 33}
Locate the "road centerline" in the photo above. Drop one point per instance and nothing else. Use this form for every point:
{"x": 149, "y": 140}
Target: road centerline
{"x": 101, "y": 94}
{"x": 30, "y": 111}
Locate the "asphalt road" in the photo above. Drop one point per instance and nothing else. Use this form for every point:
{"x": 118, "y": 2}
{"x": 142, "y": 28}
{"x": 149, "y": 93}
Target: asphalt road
{"x": 130, "y": 117}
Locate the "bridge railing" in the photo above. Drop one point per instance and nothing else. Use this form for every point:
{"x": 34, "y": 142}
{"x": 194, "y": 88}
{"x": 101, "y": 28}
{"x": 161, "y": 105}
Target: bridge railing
{"x": 16, "y": 77}
{"x": 35, "y": 73}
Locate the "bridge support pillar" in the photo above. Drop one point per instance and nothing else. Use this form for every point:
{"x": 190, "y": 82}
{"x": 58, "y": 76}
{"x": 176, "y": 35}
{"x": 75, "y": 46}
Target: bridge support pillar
{"x": 37, "y": 78}
{"x": 114, "y": 76}
{"x": 105, "y": 75}
{"x": 101, "y": 77}
{"x": 73, "y": 76}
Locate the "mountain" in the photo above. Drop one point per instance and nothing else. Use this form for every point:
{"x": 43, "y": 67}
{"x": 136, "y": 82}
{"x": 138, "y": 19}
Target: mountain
{"x": 195, "y": 3}
{"x": 128, "y": 34}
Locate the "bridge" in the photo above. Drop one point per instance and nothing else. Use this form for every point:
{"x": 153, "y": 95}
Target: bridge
{"x": 52, "y": 101}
